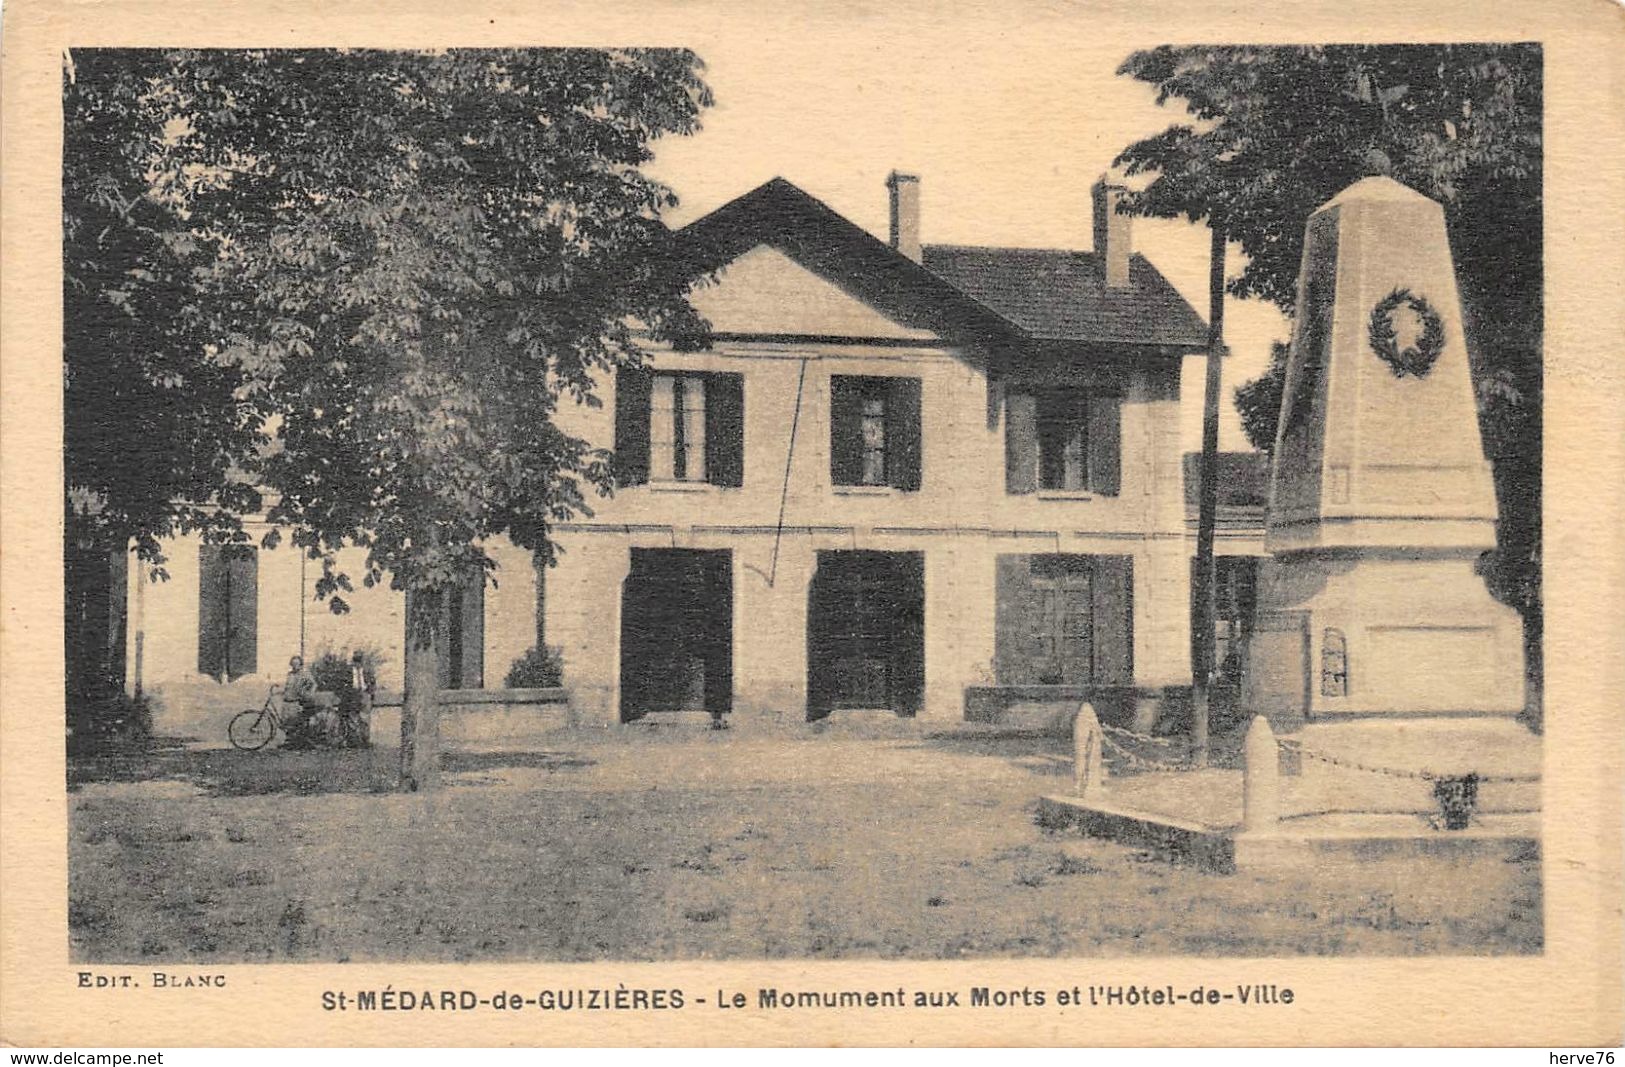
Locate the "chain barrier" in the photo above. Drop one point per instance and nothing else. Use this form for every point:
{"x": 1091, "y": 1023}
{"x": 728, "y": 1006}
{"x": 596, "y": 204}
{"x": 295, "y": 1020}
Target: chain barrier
{"x": 1396, "y": 772}
{"x": 1143, "y": 763}
{"x": 1138, "y": 762}
{"x": 1161, "y": 742}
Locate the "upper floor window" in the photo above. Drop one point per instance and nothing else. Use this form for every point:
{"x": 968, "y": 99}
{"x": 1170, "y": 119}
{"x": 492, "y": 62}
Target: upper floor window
{"x": 679, "y": 427}
{"x": 1064, "y": 439}
{"x": 874, "y": 431}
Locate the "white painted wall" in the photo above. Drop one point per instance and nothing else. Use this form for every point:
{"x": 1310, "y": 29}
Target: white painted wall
{"x": 961, "y": 519}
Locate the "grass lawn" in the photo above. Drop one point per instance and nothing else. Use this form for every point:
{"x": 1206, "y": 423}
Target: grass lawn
{"x": 683, "y": 843}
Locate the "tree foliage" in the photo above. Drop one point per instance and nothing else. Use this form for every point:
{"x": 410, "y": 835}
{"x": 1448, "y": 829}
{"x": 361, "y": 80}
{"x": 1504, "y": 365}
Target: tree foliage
{"x": 1258, "y": 402}
{"x": 361, "y": 282}
{"x": 157, "y": 425}
{"x": 1274, "y": 132}
{"x": 1277, "y": 131}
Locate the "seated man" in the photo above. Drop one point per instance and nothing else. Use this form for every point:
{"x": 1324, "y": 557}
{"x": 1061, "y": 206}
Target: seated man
{"x": 300, "y": 704}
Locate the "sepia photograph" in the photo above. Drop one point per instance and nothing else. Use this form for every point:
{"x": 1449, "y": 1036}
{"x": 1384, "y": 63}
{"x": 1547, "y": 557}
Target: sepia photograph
{"x": 765, "y": 586}
{"x": 904, "y": 497}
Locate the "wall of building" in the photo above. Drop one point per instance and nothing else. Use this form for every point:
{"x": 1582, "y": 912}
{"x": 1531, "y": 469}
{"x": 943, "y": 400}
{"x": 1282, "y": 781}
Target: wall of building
{"x": 787, "y": 510}
{"x": 961, "y": 519}
{"x": 162, "y": 650}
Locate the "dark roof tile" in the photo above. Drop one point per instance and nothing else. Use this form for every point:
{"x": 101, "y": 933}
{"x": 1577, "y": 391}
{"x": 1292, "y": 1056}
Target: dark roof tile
{"x": 1058, "y": 295}
{"x": 1032, "y": 293}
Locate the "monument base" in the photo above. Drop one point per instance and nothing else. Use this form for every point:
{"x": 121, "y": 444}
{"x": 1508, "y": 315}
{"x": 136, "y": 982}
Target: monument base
{"x": 1195, "y": 819}
{"x": 1381, "y": 632}
{"x": 1390, "y": 764}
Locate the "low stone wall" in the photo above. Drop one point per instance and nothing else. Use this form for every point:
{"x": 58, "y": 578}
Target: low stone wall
{"x": 481, "y": 717}
{"x": 1051, "y": 708}
{"x": 201, "y": 710}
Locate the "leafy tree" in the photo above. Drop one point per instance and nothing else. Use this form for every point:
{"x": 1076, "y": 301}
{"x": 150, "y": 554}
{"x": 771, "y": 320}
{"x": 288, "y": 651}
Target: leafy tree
{"x": 1258, "y": 402}
{"x": 1277, "y": 131}
{"x": 414, "y": 259}
{"x": 157, "y": 426}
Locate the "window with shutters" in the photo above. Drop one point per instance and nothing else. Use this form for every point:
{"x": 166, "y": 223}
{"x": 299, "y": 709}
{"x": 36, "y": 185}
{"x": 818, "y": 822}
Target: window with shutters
{"x": 1066, "y": 440}
{"x": 874, "y": 431}
{"x": 228, "y": 611}
{"x": 1063, "y": 441}
{"x": 672, "y": 427}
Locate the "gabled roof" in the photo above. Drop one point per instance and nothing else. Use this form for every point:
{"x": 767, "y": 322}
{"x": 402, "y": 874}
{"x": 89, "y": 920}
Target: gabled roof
{"x": 1058, "y": 295}
{"x": 999, "y": 293}
{"x": 820, "y": 239}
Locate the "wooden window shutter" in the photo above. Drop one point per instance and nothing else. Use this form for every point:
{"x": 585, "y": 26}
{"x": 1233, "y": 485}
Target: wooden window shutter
{"x": 1246, "y": 590}
{"x": 845, "y": 430}
{"x": 725, "y": 429}
{"x": 448, "y": 639}
{"x": 1105, "y": 444}
{"x": 1013, "y": 605}
{"x": 1020, "y": 442}
{"x": 242, "y": 633}
{"x": 211, "y": 612}
{"x": 1112, "y": 590}
{"x": 632, "y": 426}
{"x": 903, "y": 433}
{"x": 471, "y": 671}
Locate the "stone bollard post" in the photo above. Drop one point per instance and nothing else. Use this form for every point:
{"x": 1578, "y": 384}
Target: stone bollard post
{"x": 1261, "y": 779}
{"x": 1088, "y": 756}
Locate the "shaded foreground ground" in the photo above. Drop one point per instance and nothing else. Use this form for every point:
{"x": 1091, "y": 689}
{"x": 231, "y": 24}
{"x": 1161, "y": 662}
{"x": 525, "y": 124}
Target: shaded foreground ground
{"x": 677, "y": 843}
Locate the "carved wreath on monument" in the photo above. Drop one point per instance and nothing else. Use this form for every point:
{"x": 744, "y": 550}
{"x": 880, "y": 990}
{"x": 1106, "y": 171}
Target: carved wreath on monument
{"x": 1417, "y": 358}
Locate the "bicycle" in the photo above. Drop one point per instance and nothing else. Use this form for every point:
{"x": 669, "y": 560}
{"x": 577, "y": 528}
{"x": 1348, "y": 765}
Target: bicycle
{"x": 253, "y": 729}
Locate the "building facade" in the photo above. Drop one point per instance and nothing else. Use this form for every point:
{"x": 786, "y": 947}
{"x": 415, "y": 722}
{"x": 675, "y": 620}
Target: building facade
{"x": 897, "y": 472}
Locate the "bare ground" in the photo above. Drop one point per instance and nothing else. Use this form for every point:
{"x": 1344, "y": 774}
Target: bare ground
{"x": 680, "y": 843}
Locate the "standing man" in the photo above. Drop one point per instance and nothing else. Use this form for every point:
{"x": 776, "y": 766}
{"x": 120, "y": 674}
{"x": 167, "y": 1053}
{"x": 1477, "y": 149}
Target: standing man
{"x": 299, "y": 700}
{"x": 355, "y": 703}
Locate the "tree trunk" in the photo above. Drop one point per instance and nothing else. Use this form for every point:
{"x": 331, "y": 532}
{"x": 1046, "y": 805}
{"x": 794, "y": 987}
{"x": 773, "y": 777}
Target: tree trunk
{"x": 420, "y": 704}
{"x": 93, "y": 639}
{"x": 1208, "y": 509}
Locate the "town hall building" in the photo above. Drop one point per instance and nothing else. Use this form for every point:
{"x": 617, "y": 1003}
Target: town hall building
{"x": 899, "y": 474}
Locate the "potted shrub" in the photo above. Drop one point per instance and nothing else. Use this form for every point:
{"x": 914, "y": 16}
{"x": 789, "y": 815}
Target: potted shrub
{"x": 538, "y": 668}
{"x": 1457, "y": 798}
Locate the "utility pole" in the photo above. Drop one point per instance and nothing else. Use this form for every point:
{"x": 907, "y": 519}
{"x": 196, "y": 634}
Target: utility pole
{"x": 1208, "y": 508}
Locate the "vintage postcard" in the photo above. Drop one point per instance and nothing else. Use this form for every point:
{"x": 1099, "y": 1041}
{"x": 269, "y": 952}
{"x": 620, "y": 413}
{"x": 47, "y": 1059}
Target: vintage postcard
{"x": 840, "y": 523}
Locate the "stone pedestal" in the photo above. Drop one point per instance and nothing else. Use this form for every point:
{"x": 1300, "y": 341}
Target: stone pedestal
{"x": 1375, "y": 633}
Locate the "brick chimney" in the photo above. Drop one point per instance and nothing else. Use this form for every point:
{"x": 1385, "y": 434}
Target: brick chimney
{"x": 1113, "y": 240}
{"x": 905, "y": 213}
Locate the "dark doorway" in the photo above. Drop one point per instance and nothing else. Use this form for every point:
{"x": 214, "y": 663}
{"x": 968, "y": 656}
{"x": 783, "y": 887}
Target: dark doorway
{"x": 866, "y": 632}
{"x": 1235, "y": 599}
{"x": 677, "y": 632}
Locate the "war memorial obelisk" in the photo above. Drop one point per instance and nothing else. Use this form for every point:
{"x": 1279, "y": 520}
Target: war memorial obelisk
{"x": 1377, "y": 640}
